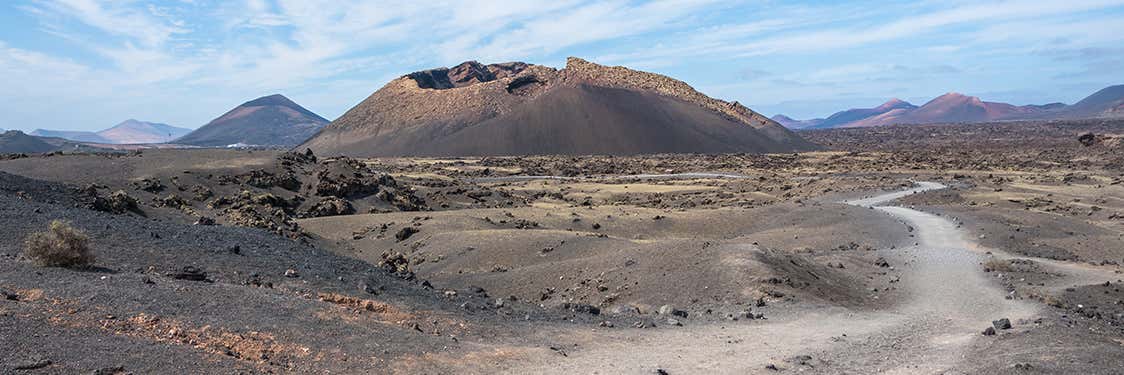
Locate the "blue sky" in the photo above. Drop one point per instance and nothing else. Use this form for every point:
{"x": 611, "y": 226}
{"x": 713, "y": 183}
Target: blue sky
{"x": 88, "y": 64}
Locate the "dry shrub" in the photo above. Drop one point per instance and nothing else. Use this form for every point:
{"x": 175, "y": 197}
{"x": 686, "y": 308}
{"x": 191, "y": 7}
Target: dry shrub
{"x": 60, "y": 246}
{"x": 997, "y": 265}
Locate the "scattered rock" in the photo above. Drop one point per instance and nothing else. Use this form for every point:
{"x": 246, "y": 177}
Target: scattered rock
{"x": 190, "y": 273}
{"x": 671, "y": 310}
{"x": 881, "y": 262}
{"x": 330, "y": 206}
{"x": 150, "y": 185}
{"x": 405, "y": 233}
{"x": 398, "y": 264}
{"x": 1087, "y": 139}
{"x": 108, "y": 371}
{"x": 173, "y": 201}
{"x": 33, "y": 364}
{"x": 582, "y": 308}
{"x": 118, "y": 202}
{"x": 800, "y": 360}
{"x": 624, "y": 309}
{"x": 1002, "y": 323}
{"x": 367, "y": 288}
{"x": 989, "y": 331}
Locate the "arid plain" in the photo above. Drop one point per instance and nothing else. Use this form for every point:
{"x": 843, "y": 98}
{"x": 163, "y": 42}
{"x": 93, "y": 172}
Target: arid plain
{"x": 270, "y": 261}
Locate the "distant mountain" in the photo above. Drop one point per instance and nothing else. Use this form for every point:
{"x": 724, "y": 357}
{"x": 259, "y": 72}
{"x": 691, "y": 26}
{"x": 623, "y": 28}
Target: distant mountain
{"x": 791, "y": 123}
{"x": 267, "y": 121}
{"x": 128, "y": 132}
{"x": 852, "y": 115}
{"x": 516, "y": 108}
{"x": 954, "y": 107}
{"x": 1108, "y": 102}
{"x": 16, "y": 142}
{"x": 133, "y": 131}
{"x": 73, "y": 135}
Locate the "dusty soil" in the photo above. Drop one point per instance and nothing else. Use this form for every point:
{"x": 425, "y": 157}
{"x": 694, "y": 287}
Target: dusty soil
{"x": 825, "y": 262}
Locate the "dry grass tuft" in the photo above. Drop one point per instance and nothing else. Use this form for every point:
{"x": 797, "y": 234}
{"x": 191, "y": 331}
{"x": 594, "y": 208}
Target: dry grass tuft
{"x": 60, "y": 246}
{"x": 997, "y": 265}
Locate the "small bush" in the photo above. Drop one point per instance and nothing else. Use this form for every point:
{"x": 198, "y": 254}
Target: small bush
{"x": 997, "y": 265}
{"x": 60, "y": 246}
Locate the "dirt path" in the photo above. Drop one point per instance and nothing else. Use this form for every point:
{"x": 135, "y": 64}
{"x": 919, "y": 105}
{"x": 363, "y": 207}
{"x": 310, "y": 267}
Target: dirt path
{"x": 950, "y": 301}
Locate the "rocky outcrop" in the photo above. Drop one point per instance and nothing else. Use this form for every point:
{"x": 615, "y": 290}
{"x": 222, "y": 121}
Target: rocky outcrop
{"x": 330, "y": 206}
{"x": 579, "y": 70}
{"x": 467, "y": 73}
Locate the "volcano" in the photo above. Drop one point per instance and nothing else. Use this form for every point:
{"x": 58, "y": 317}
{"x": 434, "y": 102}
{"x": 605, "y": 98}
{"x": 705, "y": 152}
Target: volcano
{"x": 267, "y": 121}
{"x": 517, "y": 108}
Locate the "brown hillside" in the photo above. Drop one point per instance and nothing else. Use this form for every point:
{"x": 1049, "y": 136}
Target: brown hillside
{"x": 518, "y": 109}
{"x": 267, "y": 121}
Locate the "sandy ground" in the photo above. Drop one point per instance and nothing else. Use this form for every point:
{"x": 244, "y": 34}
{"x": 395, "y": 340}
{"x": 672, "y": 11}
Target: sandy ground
{"x": 948, "y": 301}
{"x": 890, "y": 254}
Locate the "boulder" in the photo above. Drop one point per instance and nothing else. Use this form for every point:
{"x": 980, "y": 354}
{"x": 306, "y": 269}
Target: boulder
{"x": 405, "y": 233}
{"x": 671, "y": 310}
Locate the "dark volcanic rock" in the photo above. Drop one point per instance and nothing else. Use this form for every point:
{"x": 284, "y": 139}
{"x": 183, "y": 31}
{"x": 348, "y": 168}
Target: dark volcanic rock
{"x": 582, "y": 308}
{"x": 405, "y": 233}
{"x": 118, "y": 202}
{"x": 330, "y": 206}
{"x": 1087, "y": 139}
{"x": 190, "y": 273}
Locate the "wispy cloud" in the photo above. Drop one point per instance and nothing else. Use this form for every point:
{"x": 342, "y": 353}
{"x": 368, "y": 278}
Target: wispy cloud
{"x": 330, "y": 54}
{"x": 147, "y": 24}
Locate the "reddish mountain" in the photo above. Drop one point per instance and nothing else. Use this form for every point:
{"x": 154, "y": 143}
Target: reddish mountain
{"x": 267, "y": 121}
{"x": 893, "y": 116}
{"x": 842, "y": 118}
{"x": 954, "y": 107}
{"x": 516, "y": 108}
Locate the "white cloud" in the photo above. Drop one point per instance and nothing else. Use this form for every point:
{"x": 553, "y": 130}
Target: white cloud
{"x": 148, "y": 25}
{"x": 250, "y": 47}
